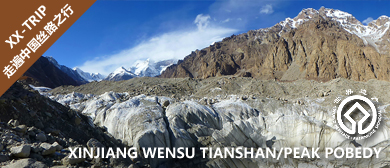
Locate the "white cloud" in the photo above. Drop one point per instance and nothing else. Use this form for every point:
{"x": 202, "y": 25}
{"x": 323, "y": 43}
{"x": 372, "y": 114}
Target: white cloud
{"x": 207, "y": 29}
{"x": 368, "y": 20}
{"x": 176, "y": 44}
{"x": 202, "y": 21}
{"x": 267, "y": 9}
{"x": 226, "y": 20}
{"x": 247, "y": 10}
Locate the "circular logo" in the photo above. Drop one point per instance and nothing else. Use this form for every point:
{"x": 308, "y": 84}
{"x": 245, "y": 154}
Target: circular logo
{"x": 356, "y": 117}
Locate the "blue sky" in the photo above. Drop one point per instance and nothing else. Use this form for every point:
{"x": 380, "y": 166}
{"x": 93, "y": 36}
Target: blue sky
{"x": 117, "y": 33}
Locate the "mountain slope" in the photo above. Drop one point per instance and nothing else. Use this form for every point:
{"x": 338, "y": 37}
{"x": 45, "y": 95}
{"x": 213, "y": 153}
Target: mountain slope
{"x": 70, "y": 72}
{"x": 321, "y": 45}
{"x": 89, "y": 76}
{"x": 45, "y": 73}
{"x": 55, "y": 124}
{"x": 77, "y": 74}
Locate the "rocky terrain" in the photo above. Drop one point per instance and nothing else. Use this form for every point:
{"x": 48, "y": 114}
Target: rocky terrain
{"x": 188, "y": 88}
{"x": 342, "y": 47}
{"x": 38, "y": 132}
{"x": 227, "y": 112}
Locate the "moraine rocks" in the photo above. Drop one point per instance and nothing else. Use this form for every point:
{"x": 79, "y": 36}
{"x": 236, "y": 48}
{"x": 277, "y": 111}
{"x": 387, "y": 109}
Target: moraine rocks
{"x": 146, "y": 121}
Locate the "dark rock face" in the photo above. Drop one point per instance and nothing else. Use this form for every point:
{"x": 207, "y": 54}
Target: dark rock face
{"x": 45, "y": 73}
{"x": 70, "y": 72}
{"x": 317, "y": 49}
{"x": 44, "y": 112}
{"x": 46, "y": 132}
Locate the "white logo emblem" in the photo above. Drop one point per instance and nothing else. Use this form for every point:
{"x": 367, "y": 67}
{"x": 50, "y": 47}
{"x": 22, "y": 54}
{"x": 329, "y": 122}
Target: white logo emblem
{"x": 353, "y": 105}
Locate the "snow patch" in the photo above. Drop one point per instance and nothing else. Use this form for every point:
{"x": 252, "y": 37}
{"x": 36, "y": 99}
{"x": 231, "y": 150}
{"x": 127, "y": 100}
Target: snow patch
{"x": 40, "y": 89}
{"x": 371, "y": 34}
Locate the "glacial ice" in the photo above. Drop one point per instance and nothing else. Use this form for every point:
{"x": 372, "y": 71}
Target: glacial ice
{"x": 142, "y": 121}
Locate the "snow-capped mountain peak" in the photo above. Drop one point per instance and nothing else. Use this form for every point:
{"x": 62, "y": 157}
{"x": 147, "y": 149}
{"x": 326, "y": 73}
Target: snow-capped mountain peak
{"x": 54, "y": 61}
{"x": 140, "y": 68}
{"x": 150, "y": 68}
{"x": 120, "y": 73}
{"x": 371, "y": 34}
{"x": 144, "y": 68}
{"x": 89, "y": 76}
{"x": 122, "y": 70}
{"x": 334, "y": 13}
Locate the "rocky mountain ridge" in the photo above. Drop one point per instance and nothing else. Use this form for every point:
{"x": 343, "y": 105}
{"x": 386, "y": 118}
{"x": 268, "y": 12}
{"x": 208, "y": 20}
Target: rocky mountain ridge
{"x": 70, "y": 72}
{"x": 89, "y": 76}
{"x": 374, "y": 33}
{"x": 76, "y": 73}
{"x": 44, "y": 73}
{"x": 317, "y": 44}
{"x": 140, "y": 68}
